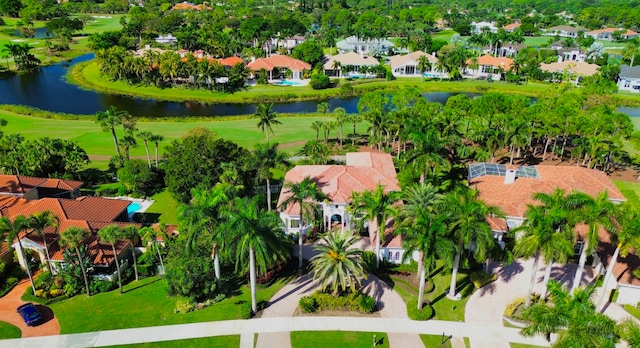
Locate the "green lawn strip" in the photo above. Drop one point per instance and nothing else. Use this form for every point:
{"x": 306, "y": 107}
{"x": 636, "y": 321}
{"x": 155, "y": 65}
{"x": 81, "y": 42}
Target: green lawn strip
{"x": 217, "y": 341}
{"x": 292, "y": 134}
{"x": 9, "y": 331}
{"x": 435, "y": 341}
{"x": 632, "y": 310}
{"x": 108, "y": 22}
{"x": 337, "y": 339}
{"x": 146, "y": 303}
{"x": 166, "y": 206}
{"x": 630, "y": 190}
{"x": 522, "y": 345}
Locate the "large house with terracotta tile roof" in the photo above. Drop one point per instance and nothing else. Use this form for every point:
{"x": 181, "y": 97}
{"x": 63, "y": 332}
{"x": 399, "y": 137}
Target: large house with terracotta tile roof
{"x": 25, "y": 196}
{"x": 488, "y": 66}
{"x": 279, "y": 64}
{"x": 510, "y": 188}
{"x": 363, "y": 171}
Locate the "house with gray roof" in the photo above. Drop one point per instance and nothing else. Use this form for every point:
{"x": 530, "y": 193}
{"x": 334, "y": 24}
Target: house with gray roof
{"x": 364, "y": 46}
{"x": 629, "y": 78}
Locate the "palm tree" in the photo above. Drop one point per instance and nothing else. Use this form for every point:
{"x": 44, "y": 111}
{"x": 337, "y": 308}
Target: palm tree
{"x": 156, "y": 139}
{"x": 108, "y": 120}
{"x": 132, "y": 233}
{"x": 323, "y": 108}
{"x": 112, "y": 234}
{"x": 11, "y": 230}
{"x": 573, "y": 316}
{"x": 259, "y": 235}
{"x": 376, "y": 207}
{"x": 146, "y": 136}
{"x": 317, "y": 126}
{"x": 267, "y": 158}
{"x": 336, "y": 67}
{"x": 423, "y": 64}
{"x": 341, "y": 118}
{"x": 267, "y": 118}
{"x": 39, "y": 221}
{"x": 598, "y": 213}
{"x": 305, "y": 195}
{"x": 469, "y": 226}
{"x": 72, "y": 238}
{"x": 202, "y": 218}
{"x": 630, "y": 332}
{"x": 150, "y": 238}
{"x": 626, "y": 237}
{"x": 338, "y": 264}
{"x": 423, "y": 230}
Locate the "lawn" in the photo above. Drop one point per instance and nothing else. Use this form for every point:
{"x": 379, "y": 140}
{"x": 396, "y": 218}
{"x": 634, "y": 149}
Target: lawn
{"x": 631, "y": 192}
{"x": 9, "y": 331}
{"x": 146, "y": 303}
{"x": 435, "y": 341}
{"x": 633, "y": 310}
{"x": 522, "y": 345}
{"x": 337, "y": 339}
{"x": 215, "y": 342}
{"x": 292, "y": 134}
{"x": 166, "y": 206}
{"x": 444, "y": 308}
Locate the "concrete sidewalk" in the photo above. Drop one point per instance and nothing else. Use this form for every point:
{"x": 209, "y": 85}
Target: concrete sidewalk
{"x": 475, "y": 332}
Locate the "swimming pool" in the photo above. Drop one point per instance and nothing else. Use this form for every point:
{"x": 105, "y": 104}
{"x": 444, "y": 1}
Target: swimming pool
{"x": 287, "y": 83}
{"x": 133, "y": 207}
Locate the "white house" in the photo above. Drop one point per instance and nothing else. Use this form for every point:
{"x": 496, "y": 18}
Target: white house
{"x": 629, "y": 78}
{"x": 573, "y": 54}
{"x": 365, "y": 47}
{"x": 407, "y": 65}
{"x": 169, "y": 39}
{"x": 337, "y": 65}
{"x": 363, "y": 171}
{"x": 608, "y": 34}
{"x": 479, "y": 27}
{"x": 563, "y": 31}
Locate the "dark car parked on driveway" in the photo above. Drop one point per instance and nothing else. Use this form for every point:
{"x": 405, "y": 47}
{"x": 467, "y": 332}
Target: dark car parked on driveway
{"x": 30, "y": 314}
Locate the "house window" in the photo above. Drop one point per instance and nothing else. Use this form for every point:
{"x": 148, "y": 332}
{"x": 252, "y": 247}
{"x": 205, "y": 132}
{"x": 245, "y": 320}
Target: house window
{"x": 627, "y": 83}
{"x": 397, "y": 256}
{"x": 390, "y": 256}
{"x": 577, "y": 248}
{"x": 295, "y": 223}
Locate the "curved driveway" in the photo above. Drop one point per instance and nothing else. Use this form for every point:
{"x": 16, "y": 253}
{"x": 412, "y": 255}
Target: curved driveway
{"x": 11, "y": 301}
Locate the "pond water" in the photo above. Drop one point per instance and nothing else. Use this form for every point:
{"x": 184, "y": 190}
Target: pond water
{"x": 40, "y": 33}
{"x": 47, "y": 89}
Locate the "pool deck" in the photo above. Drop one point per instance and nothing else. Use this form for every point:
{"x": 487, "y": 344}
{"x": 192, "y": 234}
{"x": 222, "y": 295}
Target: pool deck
{"x": 144, "y": 203}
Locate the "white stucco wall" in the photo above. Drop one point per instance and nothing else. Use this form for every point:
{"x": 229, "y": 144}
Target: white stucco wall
{"x": 628, "y": 294}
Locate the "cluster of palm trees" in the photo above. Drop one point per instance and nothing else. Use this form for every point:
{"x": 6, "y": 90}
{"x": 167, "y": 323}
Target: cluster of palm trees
{"x": 111, "y": 118}
{"x": 22, "y": 56}
{"x": 73, "y": 238}
{"x": 169, "y": 69}
{"x": 564, "y": 124}
{"x": 494, "y": 40}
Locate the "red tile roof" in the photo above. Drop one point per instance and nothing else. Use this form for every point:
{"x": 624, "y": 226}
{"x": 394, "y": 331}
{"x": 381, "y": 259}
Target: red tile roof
{"x": 513, "y": 198}
{"x": 14, "y": 184}
{"x": 230, "y": 61}
{"x": 488, "y": 60}
{"x": 363, "y": 171}
{"x": 278, "y": 61}
{"x": 511, "y": 26}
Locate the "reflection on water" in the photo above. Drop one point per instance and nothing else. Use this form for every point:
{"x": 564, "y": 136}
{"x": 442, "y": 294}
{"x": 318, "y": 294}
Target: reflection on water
{"x": 47, "y": 89}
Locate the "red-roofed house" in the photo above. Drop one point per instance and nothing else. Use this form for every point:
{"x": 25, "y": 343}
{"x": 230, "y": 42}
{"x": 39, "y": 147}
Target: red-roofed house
{"x": 511, "y": 190}
{"x": 363, "y": 171}
{"x": 282, "y": 63}
{"x": 489, "y": 67}
{"x": 33, "y": 188}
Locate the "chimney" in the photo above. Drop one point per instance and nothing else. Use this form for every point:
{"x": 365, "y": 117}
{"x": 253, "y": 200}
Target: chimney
{"x": 510, "y": 176}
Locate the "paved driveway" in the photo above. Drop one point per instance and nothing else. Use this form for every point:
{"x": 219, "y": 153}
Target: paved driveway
{"x": 11, "y": 301}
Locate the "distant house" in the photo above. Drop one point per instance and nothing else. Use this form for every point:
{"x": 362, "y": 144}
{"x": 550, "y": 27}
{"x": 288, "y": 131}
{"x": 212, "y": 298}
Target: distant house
{"x": 31, "y": 188}
{"x": 407, "y": 65}
{"x": 351, "y": 62}
{"x": 609, "y": 34}
{"x": 507, "y": 49}
{"x": 574, "y": 71}
{"x": 187, "y": 6}
{"x": 574, "y": 54}
{"x": 168, "y": 39}
{"x": 230, "y": 61}
{"x": 629, "y": 78}
{"x": 480, "y": 27}
{"x": 510, "y": 28}
{"x": 563, "y": 31}
{"x": 279, "y": 64}
{"x": 364, "y": 46}
{"x": 488, "y": 67}
{"x": 363, "y": 171}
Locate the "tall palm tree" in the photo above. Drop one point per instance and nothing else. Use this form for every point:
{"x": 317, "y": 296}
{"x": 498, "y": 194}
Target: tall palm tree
{"x": 11, "y": 230}
{"x": 323, "y": 108}
{"x": 112, "y": 234}
{"x": 150, "y": 238}
{"x": 156, "y": 139}
{"x": 467, "y": 221}
{"x": 108, "y": 120}
{"x": 39, "y": 221}
{"x": 72, "y": 238}
{"x": 341, "y": 118}
{"x": 423, "y": 64}
{"x": 574, "y": 317}
{"x": 201, "y": 218}
{"x": 259, "y": 235}
{"x": 626, "y": 237}
{"x": 305, "y": 194}
{"x": 267, "y": 117}
{"x": 267, "y": 158}
{"x": 317, "y": 126}
{"x": 376, "y": 207}
{"x": 598, "y": 214}
{"x": 338, "y": 265}
{"x": 630, "y": 332}
{"x": 423, "y": 230}
{"x": 146, "y": 137}
{"x": 132, "y": 233}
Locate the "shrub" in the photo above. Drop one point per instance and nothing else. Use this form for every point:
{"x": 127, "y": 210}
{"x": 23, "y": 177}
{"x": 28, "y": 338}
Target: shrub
{"x": 512, "y": 307}
{"x": 56, "y": 292}
{"x": 423, "y": 314}
{"x": 245, "y": 311}
{"x": 307, "y": 304}
{"x": 97, "y": 286}
{"x": 184, "y": 305}
{"x": 480, "y": 279}
{"x": 369, "y": 261}
{"x": 367, "y": 303}
{"x": 320, "y": 81}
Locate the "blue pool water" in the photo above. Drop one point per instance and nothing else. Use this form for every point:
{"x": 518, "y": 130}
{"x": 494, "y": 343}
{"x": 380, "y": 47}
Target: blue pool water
{"x": 133, "y": 207}
{"x": 287, "y": 83}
